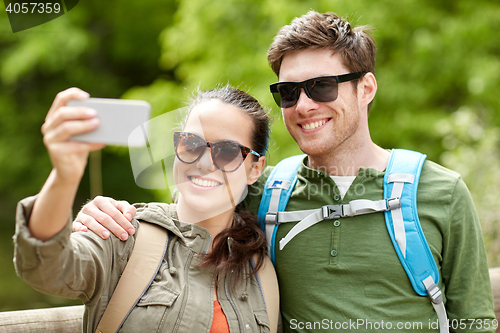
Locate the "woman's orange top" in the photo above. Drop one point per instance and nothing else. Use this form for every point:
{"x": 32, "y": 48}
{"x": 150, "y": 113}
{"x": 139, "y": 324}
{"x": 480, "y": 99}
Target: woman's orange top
{"x": 219, "y": 321}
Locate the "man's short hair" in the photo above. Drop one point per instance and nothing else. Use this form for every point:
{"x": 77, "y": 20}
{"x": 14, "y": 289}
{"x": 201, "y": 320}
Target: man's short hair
{"x": 325, "y": 31}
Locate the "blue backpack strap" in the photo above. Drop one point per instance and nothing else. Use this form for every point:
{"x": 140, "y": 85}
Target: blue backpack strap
{"x": 401, "y": 180}
{"x": 277, "y": 191}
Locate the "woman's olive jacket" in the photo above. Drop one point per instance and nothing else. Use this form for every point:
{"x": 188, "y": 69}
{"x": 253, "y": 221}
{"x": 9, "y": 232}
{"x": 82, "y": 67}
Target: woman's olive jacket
{"x": 181, "y": 296}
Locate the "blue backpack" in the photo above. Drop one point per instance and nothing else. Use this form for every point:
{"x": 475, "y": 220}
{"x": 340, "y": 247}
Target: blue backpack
{"x": 399, "y": 206}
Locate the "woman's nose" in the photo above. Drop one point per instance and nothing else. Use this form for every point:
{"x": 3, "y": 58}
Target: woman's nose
{"x": 205, "y": 162}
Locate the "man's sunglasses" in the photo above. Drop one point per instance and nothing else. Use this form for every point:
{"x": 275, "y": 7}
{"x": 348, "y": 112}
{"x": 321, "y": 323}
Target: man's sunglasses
{"x": 320, "y": 89}
{"x": 227, "y": 156}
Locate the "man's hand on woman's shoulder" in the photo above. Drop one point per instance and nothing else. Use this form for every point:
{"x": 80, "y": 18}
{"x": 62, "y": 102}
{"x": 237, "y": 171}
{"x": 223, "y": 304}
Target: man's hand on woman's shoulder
{"x": 103, "y": 215}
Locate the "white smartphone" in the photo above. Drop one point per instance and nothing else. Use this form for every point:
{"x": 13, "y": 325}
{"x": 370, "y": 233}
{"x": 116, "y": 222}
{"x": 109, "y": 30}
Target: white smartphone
{"x": 118, "y": 119}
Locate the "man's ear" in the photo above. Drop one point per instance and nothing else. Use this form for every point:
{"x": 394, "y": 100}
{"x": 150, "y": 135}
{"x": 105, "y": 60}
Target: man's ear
{"x": 256, "y": 170}
{"x": 367, "y": 88}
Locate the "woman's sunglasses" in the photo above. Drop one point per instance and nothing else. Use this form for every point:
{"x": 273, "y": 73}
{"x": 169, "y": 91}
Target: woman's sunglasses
{"x": 320, "y": 89}
{"x": 227, "y": 156}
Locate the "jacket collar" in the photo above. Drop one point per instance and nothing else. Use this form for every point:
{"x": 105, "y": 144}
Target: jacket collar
{"x": 165, "y": 215}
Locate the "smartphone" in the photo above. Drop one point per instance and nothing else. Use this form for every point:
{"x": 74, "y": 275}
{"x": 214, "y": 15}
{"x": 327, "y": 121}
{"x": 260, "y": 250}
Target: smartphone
{"x": 118, "y": 119}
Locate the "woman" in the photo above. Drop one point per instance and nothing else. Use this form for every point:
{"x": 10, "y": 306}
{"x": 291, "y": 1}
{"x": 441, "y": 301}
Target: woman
{"x": 209, "y": 274}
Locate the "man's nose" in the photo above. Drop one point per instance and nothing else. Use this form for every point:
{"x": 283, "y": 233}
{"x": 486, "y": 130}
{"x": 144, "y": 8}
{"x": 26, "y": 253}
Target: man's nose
{"x": 304, "y": 103}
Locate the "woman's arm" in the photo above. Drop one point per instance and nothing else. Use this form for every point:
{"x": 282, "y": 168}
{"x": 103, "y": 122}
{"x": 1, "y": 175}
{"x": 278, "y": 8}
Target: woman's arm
{"x": 69, "y": 158}
{"x": 68, "y": 265}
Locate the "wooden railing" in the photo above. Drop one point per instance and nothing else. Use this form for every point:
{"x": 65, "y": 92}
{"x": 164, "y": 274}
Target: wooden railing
{"x": 495, "y": 286}
{"x": 66, "y": 319}
{"x": 69, "y": 319}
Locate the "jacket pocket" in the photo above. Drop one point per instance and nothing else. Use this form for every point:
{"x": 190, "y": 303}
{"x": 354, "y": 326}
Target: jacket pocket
{"x": 262, "y": 321}
{"x": 158, "y": 294}
{"x": 152, "y": 311}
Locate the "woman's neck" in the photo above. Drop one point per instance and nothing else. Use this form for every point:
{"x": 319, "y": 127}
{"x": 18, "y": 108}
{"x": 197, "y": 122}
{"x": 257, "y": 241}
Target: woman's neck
{"x": 214, "y": 224}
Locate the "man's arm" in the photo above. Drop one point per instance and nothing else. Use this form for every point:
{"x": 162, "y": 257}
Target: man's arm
{"x": 104, "y": 215}
{"x": 464, "y": 266}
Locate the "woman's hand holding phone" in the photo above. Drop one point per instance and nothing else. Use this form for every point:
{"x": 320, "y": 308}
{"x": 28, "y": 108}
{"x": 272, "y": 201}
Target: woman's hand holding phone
{"x": 69, "y": 158}
{"x": 51, "y": 210}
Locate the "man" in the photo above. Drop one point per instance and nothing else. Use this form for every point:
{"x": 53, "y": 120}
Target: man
{"x": 344, "y": 274}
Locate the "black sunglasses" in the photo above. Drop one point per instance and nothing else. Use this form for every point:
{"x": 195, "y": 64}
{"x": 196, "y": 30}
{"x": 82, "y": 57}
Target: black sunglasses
{"x": 320, "y": 89}
{"x": 227, "y": 156}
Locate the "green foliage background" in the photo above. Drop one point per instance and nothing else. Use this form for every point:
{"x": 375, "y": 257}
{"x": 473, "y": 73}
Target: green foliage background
{"x": 438, "y": 71}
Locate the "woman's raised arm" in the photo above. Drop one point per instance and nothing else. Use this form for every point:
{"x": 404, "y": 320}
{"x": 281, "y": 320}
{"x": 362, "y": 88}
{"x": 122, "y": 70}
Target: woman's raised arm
{"x": 69, "y": 158}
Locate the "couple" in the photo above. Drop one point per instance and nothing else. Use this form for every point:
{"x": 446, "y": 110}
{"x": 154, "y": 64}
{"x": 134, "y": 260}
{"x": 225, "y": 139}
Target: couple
{"x": 341, "y": 274}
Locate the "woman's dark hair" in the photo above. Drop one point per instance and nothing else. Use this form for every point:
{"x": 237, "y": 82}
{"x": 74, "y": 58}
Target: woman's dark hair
{"x": 235, "y": 246}
{"x": 247, "y": 104}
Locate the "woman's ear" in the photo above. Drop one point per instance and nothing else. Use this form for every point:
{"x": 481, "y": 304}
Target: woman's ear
{"x": 256, "y": 170}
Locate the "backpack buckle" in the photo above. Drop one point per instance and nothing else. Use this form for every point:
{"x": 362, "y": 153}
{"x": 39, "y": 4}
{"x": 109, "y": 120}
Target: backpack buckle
{"x": 435, "y": 294}
{"x": 271, "y": 218}
{"x": 393, "y": 203}
{"x": 329, "y": 212}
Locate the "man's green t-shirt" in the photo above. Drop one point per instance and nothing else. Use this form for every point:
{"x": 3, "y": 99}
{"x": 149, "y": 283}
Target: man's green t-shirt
{"x": 345, "y": 275}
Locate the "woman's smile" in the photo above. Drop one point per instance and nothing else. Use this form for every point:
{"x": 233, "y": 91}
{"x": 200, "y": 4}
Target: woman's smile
{"x": 204, "y": 183}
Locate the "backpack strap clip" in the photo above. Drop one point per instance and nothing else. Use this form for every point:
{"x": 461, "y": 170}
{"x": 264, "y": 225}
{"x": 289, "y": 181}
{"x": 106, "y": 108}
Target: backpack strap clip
{"x": 433, "y": 291}
{"x": 329, "y": 212}
{"x": 393, "y": 203}
{"x": 271, "y": 218}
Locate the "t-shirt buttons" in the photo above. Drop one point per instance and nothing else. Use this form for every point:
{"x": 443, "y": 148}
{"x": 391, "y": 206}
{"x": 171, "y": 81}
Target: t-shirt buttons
{"x": 336, "y": 223}
{"x": 334, "y": 253}
{"x": 336, "y": 197}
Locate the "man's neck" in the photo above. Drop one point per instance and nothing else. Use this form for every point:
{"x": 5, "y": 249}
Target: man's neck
{"x": 347, "y": 160}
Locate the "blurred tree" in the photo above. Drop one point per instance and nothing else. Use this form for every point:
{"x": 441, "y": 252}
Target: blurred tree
{"x": 473, "y": 149}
